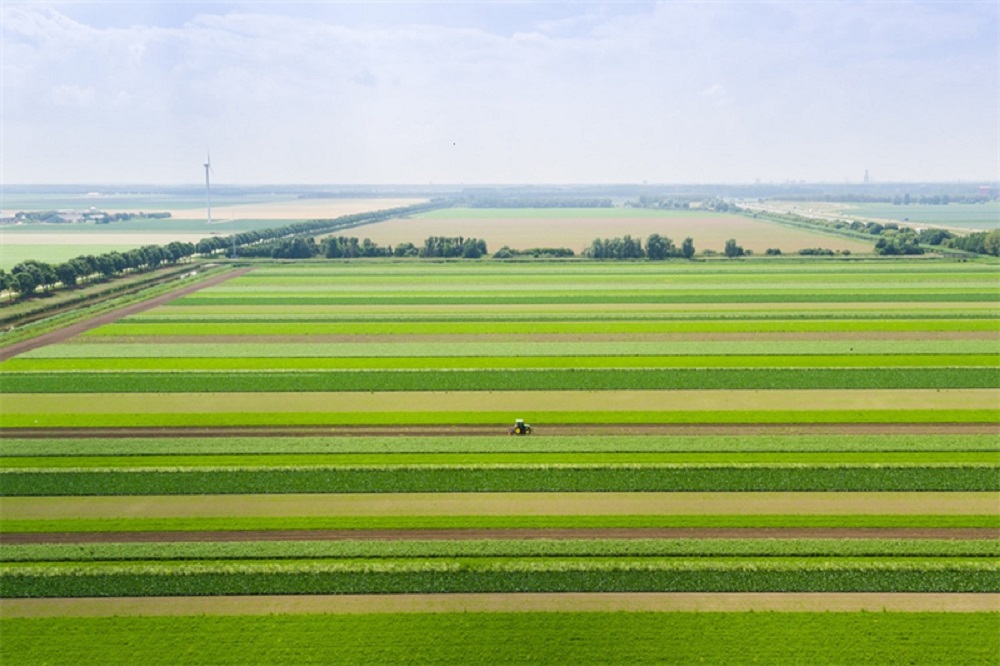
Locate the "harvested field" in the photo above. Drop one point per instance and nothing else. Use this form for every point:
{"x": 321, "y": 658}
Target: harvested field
{"x": 659, "y": 602}
{"x": 501, "y": 504}
{"x": 576, "y": 228}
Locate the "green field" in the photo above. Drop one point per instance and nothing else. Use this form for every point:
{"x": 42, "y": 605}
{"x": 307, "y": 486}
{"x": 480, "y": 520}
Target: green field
{"x": 859, "y": 396}
{"x": 984, "y": 216}
{"x": 542, "y": 638}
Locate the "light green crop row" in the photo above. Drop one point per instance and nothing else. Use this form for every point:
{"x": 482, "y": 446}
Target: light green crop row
{"x": 120, "y": 420}
{"x": 535, "y": 328}
{"x": 109, "y": 347}
{"x": 20, "y": 364}
{"x": 525, "y": 638}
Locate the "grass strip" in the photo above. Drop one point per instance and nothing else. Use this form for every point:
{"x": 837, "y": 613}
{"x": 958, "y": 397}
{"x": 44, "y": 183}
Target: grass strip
{"x": 510, "y": 638}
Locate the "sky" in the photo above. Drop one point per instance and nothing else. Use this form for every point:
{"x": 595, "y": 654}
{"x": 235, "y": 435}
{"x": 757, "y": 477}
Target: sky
{"x": 499, "y": 92}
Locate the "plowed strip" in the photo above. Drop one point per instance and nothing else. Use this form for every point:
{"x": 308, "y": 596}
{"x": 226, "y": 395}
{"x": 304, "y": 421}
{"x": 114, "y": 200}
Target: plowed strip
{"x": 576, "y": 602}
{"x": 22, "y": 538}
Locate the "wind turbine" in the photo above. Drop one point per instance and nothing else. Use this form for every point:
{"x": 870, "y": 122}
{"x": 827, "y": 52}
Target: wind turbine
{"x": 208, "y": 191}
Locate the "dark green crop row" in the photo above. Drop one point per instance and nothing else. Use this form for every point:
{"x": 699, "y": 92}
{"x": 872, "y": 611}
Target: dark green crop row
{"x": 639, "y": 478}
{"x": 294, "y": 550}
{"x": 503, "y": 380}
{"x": 422, "y": 577}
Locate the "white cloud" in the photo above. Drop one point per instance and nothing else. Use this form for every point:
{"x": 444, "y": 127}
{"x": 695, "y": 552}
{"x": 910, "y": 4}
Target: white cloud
{"x": 577, "y": 93}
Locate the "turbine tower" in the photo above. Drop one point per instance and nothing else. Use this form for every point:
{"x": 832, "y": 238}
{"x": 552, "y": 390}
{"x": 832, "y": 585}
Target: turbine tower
{"x": 208, "y": 191}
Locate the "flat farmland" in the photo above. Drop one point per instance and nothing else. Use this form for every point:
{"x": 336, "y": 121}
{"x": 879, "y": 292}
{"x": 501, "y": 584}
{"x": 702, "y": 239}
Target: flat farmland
{"x": 575, "y": 228}
{"x": 800, "y": 434}
{"x": 55, "y": 243}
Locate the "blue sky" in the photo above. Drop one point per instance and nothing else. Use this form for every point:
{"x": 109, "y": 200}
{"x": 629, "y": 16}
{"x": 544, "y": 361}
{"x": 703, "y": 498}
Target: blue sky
{"x": 499, "y": 92}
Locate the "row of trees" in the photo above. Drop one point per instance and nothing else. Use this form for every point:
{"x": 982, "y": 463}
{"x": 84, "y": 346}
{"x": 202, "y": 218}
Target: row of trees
{"x": 28, "y": 276}
{"x": 528, "y": 201}
{"x": 344, "y": 247}
{"x": 657, "y": 248}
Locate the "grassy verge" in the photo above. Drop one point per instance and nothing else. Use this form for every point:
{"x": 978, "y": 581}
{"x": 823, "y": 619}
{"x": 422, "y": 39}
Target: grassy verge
{"x": 510, "y": 638}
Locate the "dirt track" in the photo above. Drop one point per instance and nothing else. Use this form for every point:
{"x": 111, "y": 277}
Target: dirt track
{"x": 540, "y": 431}
{"x": 63, "y": 334}
{"x": 454, "y": 534}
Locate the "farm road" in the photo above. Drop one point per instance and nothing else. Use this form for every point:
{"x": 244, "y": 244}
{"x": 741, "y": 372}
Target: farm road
{"x": 63, "y": 334}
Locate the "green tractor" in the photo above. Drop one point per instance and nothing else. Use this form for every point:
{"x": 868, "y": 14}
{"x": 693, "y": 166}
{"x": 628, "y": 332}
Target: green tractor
{"x": 520, "y": 428}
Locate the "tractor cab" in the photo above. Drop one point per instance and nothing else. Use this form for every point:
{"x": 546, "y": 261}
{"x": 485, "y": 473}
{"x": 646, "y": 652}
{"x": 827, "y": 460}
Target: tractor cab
{"x": 520, "y": 428}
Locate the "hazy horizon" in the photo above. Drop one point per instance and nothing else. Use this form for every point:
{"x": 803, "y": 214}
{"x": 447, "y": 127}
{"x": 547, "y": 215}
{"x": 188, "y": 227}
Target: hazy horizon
{"x": 497, "y": 93}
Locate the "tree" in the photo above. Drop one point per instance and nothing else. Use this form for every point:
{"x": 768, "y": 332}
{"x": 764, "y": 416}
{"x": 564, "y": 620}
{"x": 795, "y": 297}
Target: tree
{"x": 26, "y": 283}
{"x": 659, "y": 247}
{"x": 732, "y": 249}
{"x": 687, "y": 248}
{"x": 67, "y": 274}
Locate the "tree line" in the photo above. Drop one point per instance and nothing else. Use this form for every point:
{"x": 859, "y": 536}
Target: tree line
{"x": 343, "y": 247}
{"x": 28, "y": 276}
{"x": 657, "y": 248}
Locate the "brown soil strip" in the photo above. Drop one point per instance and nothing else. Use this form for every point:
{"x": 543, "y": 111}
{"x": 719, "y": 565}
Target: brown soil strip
{"x": 502, "y": 504}
{"x": 551, "y": 430}
{"x": 73, "y": 330}
{"x": 576, "y": 602}
{"x": 22, "y": 538}
{"x": 556, "y": 337}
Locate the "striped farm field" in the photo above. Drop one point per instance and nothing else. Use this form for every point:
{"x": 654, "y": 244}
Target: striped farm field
{"x": 323, "y": 429}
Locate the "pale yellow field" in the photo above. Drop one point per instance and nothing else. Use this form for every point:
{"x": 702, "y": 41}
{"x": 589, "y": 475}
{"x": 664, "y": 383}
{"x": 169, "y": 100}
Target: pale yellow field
{"x": 502, "y": 401}
{"x": 708, "y": 231}
{"x": 296, "y": 209}
{"x": 521, "y": 602}
{"x": 501, "y": 504}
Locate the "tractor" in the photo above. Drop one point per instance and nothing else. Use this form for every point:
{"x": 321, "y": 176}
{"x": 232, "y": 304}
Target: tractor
{"x": 520, "y": 428}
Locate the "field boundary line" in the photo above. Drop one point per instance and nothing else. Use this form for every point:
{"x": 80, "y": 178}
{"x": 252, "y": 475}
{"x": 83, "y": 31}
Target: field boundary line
{"x": 524, "y": 602}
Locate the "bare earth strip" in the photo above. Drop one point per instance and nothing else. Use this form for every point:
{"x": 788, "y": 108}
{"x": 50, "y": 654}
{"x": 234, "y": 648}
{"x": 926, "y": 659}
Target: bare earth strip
{"x": 502, "y": 504}
{"x": 73, "y": 330}
{"x": 577, "y": 602}
{"x": 946, "y": 533}
{"x": 651, "y": 429}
